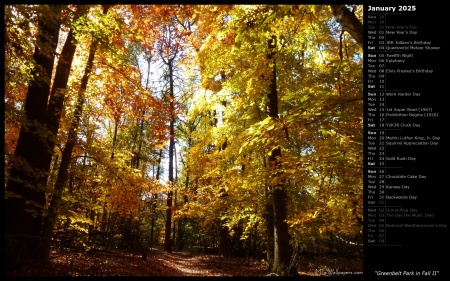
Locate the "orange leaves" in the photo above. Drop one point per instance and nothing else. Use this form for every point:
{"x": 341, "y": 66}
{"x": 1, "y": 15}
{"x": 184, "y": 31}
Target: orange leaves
{"x": 127, "y": 189}
{"x": 229, "y": 39}
{"x": 211, "y": 84}
{"x": 124, "y": 201}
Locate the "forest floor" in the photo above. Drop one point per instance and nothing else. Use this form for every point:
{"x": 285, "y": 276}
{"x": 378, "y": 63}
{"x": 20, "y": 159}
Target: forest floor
{"x": 67, "y": 262}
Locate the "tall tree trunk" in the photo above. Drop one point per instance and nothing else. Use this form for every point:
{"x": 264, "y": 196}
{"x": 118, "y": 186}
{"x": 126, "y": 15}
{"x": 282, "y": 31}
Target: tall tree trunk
{"x": 181, "y": 221}
{"x": 224, "y": 245}
{"x": 54, "y": 111}
{"x": 225, "y": 242}
{"x": 28, "y": 175}
{"x": 167, "y": 241}
{"x": 281, "y": 236}
{"x": 153, "y": 201}
{"x": 49, "y": 220}
{"x": 181, "y": 224}
{"x": 110, "y": 220}
{"x": 56, "y": 101}
{"x": 269, "y": 228}
{"x": 175, "y": 222}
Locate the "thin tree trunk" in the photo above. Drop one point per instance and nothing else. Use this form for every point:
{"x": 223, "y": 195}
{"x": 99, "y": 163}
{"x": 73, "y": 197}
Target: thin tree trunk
{"x": 180, "y": 242}
{"x": 269, "y": 228}
{"x": 174, "y": 231}
{"x": 183, "y": 221}
{"x": 153, "y": 201}
{"x": 180, "y": 233}
{"x": 167, "y": 241}
{"x": 104, "y": 219}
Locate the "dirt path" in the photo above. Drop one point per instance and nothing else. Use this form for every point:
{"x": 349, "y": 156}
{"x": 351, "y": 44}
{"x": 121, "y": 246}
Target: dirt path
{"x": 190, "y": 264}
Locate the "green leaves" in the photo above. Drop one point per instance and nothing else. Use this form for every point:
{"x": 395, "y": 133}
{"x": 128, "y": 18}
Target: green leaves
{"x": 266, "y": 121}
{"x": 270, "y": 18}
{"x": 237, "y": 40}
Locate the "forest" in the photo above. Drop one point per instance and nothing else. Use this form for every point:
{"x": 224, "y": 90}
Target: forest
{"x": 225, "y": 136}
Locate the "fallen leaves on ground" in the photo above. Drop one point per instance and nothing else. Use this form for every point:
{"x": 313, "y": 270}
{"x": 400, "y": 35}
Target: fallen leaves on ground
{"x": 159, "y": 263}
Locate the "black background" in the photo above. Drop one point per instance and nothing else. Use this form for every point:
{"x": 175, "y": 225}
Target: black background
{"x": 412, "y": 249}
